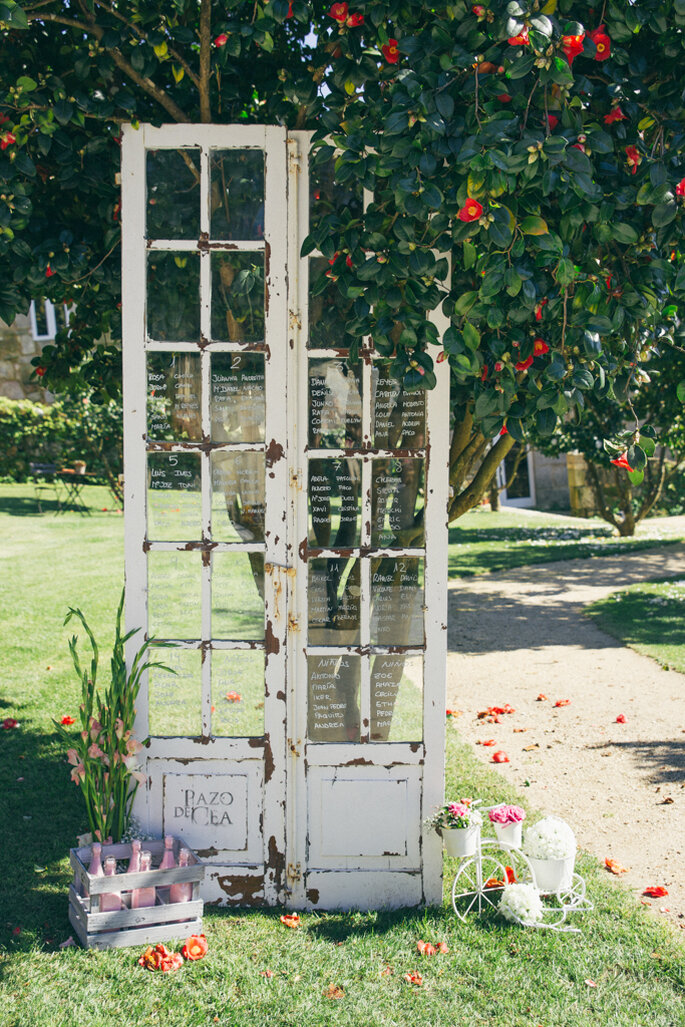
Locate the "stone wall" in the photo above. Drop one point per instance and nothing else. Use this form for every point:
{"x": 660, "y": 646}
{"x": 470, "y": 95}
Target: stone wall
{"x": 17, "y": 349}
{"x": 551, "y": 479}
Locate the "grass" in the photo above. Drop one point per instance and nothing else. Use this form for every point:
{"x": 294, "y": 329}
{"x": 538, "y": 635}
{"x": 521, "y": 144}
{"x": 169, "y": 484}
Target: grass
{"x": 482, "y": 542}
{"x": 495, "y": 974}
{"x": 649, "y": 617}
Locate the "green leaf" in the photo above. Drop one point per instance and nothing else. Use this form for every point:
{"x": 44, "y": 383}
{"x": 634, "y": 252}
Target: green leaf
{"x": 648, "y": 445}
{"x": 664, "y": 213}
{"x": 471, "y": 336}
{"x": 680, "y": 392}
{"x": 444, "y": 105}
{"x": 469, "y": 254}
{"x": 465, "y": 302}
{"x": 624, "y": 233}
{"x": 27, "y": 84}
{"x": 534, "y": 226}
{"x": 63, "y": 111}
{"x": 636, "y": 477}
{"x": 546, "y": 421}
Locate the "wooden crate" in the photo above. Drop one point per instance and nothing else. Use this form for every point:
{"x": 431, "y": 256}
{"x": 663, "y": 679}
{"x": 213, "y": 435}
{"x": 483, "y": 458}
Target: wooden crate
{"x": 165, "y": 921}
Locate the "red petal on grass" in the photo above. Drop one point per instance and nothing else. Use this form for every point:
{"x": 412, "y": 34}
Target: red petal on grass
{"x": 500, "y": 757}
{"x": 590, "y": 983}
{"x": 425, "y": 948}
{"x": 563, "y": 702}
{"x": 656, "y": 891}
{"x": 266, "y": 973}
{"x": 493, "y": 882}
{"x": 614, "y": 867}
{"x": 416, "y": 979}
{"x": 290, "y": 920}
{"x": 333, "y": 992}
{"x": 510, "y": 875}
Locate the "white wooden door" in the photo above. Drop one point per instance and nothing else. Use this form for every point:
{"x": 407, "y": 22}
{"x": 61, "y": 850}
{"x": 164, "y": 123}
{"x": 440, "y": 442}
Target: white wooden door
{"x": 285, "y": 530}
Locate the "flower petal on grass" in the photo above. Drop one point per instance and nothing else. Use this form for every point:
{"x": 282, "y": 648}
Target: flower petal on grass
{"x": 500, "y": 757}
{"x": 290, "y": 920}
{"x": 656, "y": 891}
{"x": 333, "y": 992}
{"x": 416, "y": 979}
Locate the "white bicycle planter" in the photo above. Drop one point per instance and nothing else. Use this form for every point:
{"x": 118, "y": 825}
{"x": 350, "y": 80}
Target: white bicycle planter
{"x": 480, "y": 878}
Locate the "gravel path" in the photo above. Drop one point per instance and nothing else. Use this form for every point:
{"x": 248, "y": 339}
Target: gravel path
{"x": 517, "y": 634}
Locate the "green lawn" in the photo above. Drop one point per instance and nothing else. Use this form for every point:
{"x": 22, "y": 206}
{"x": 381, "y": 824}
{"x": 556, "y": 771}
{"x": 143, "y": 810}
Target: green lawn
{"x": 494, "y": 974}
{"x": 482, "y": 542}
{"x": 648, "y": 617}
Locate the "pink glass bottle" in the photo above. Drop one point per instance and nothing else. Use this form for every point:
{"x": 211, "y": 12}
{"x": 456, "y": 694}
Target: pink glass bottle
{"x": 183, "y": 890}
{"x": 110, "y": 901}
{"x": 134, "y": 862}
{"x": 141, "y": 898}
{"x": 95, "y": 868}
{"x": 168, "y": 860}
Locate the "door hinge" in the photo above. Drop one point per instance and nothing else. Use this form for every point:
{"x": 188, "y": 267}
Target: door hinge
{"x": 294, "y": 872}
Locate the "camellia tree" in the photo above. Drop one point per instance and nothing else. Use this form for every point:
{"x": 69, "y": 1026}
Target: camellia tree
{"x": 524, "y": 161}
{"x": 650, "y": 406}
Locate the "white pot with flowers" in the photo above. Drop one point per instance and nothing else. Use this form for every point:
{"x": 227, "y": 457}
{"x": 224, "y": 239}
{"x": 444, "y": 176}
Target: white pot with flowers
{"x": 550, "y": 846}
{"x": 521, "y": 904}
{"x": 459, "y": 824}
{"x": 508, "y": 824}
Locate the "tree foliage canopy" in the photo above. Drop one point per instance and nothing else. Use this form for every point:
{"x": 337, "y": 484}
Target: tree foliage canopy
{"x": 539, "y": 145}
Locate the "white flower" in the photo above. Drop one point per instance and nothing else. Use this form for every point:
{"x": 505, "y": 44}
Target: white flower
{"x": 550, "y": 838}
{"x": 521, "y": 903}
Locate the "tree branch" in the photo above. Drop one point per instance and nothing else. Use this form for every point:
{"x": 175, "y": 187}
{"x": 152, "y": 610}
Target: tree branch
{"x": 205, "y": 61}
{"x": 146, "y": 84}
{"x": 474, "y": 491}
{"x": 142, "y": 35}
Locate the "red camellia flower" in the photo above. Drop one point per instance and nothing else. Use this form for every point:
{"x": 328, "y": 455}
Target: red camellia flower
{"x": 67, "y": 721}
{"x": 9, "y": 722}
{"x": 49, "y": 272}
{"x": 633, "y": 157}
{"x": 478, "y": 10}
{"x": 523, "y": 365}
{"x": 540, "y": 347}
{"x": 680, "y": 188}
{"x": 441, "y": 356}
{"x": 355, "y": 20}
{"x": 40, "y": 371}
{"x": 471, "y": 211}
{"x": 390, "y": 51}
{"x": 504, "y": 97}
{"x": 195, "y": 947}
{"x": 602, "y": 42}
{"x": 622, "y": 461}
{"x": 572, "y": 46}
{"x": 221, "y": 40}
{"x": 339, "y": 13}
{"x": 161, "y": 958}
{"x": 552, "y": 121}
{"x": 6, "y": 140}
{"x": 484, "y": 373}
{"x": 504, "y": 430}
{"x": 538, "y": 309}
{"x": 500, "y": 757}
{"x": 520, "y": 40}
{"x": 616, "y": 114}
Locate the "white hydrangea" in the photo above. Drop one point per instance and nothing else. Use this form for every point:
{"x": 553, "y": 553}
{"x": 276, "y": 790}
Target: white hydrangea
{"x": 550, "y": 838}
{"x": 521, "y": 903}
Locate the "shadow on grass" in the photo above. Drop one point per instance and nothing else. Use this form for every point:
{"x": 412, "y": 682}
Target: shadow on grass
{"x": 41, "y": 812}
{"x": 664, "y": 760}
{"x": 642, "y": 619}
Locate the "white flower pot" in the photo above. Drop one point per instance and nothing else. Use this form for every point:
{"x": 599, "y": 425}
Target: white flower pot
{"x": 461, "y": 841}
{"x": 553, "y": 875}
{"x": 510, "y": 834}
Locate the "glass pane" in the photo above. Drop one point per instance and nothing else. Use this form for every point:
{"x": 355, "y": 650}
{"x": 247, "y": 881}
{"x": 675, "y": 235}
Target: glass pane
{"x": 398, "y": 416}
{"x": 175, "y": 695}
{"x": 334, "y": 503}
{"x": 335, "y": 405}
{"x": 397, "y": 698}
{"x": 238, "y": 297}
{"x": 173, "y": 397}
{"x": 237, "y": 693}
{"x": 397, "y": 501}
{"x": 174, "y": 581}
{"x": 173, "y": 194}
{"x": 333, "y": 698}
{"x": 325, "y": 197}
{"x": 329, "y": 307}
{"x": 237, "y": 210}
{"x": 397, "y": 600}
{"x": 173, "y": 296}
{"x": 334, "y": 601}
{"x": 174, "y": 498}
{"x": 238, "y": 406}
{"x": 238, "y": 596}
{"x": 238, "y": 482}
